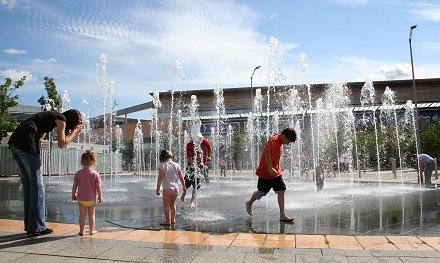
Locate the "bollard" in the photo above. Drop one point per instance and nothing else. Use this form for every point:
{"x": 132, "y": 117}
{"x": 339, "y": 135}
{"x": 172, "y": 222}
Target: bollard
{"x": 393, "y": 167}
{"x": 436, "y": 171}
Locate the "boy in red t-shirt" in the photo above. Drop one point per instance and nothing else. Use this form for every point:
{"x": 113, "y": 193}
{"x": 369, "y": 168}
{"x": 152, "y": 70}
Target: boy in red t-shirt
{"x": 269, "y": 172}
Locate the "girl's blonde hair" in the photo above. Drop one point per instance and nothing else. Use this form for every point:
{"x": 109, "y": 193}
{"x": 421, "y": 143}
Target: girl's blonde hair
{"x": 88, "y": 157}
{"x": 165, "y": 155}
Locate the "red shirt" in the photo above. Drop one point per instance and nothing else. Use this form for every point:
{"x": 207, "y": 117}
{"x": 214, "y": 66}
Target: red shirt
{"x": 275, "y": 147}
{"x": 203, "y": 152}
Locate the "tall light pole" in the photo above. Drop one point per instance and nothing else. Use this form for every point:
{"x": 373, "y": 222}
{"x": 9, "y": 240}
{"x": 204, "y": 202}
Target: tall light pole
{"x": 414, "y": 94}
{"x": 252, "y": 91}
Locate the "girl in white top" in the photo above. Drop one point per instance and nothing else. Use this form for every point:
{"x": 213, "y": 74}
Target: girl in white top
{"x": 169, "y": 174}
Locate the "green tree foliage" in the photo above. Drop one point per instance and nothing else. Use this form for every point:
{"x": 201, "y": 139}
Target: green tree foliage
{"x": 388, "y": 145}
{"x": 7, "y": 101}
{"x": 128, "y": 154}
{"x": 52, "y": 94}
{"x": 238, "y": 147}
{"x": 430, "y": 139}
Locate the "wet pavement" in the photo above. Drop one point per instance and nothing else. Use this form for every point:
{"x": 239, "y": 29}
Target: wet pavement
{"x": 359, "y": 221}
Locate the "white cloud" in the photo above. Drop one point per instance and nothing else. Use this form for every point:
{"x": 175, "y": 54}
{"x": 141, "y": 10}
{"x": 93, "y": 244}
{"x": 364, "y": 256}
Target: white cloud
{"x": 360, "y": 69}
{"x": 396, "y": 71}
{"x": 14, "y": 51}
{"x": 9, "y": 4}
{"x": 44, "y": 61}
{"x": 16, "y": 75}
{"x": 214, "y": 40}
{"x": 426, "y": 11}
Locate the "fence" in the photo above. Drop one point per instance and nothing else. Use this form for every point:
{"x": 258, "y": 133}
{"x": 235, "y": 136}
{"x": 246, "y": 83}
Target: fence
{"x": 55, "y": 161}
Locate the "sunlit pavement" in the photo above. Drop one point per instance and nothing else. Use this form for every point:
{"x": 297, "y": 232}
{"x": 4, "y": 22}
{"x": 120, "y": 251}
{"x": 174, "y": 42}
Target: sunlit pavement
{"x": 114, "y": 244}
{"x": 119, "y": 244}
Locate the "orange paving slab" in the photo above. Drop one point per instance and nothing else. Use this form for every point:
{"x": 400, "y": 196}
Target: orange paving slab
{"x": 409, "y": 243}
{"x": 311, "y": 241}
{"x": 219, "y": 240}
{"x": 193, "y": 238}
{"x": 434, "y": 242}
{"x": 247, "y": 236}
{"x": 135, "y": 235}
{"x": 244, "y": 239}
{"x": 110, "y": 233}
{"x": 343, "y": 242}
{"x": 375, "y": 243}
{"x": 279, "y": 244}
{"x": 247, "y": 243}
{"x": 163, "y": 236}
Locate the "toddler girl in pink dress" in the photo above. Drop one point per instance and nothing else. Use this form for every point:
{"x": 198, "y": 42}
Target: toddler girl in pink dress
{"x": 88, "y": 182}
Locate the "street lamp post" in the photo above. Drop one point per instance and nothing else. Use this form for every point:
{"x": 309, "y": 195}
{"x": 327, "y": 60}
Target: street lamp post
{"x": 414, "y": 94}
{"x": 252, "y": 93}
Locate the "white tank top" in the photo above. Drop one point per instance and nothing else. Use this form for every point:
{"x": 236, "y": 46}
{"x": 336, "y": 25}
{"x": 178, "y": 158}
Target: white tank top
{"x": 171, "y": 178}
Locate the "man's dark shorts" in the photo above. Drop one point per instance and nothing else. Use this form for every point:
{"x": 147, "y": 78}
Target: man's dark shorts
{"x": 277, "y": 184}
{"x": 191, "y": 179}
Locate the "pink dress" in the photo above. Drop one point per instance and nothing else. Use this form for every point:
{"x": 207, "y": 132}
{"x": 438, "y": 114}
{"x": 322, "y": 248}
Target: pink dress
{"x": 87, "y": 179}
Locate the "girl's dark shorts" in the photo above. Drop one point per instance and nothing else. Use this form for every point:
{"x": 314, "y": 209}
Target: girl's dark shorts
{"x": 277, "y": 184}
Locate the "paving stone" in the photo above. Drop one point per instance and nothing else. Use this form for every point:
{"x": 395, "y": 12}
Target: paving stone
{"x": 251, "y": 249}
{"x": 346, "y": 252}
{"x": 87, "y": 248}
{"x": 6, "y": 257}
{"x": 170, "y": 255}
{"x": 317, "y": 258}
{"x": 127, "y": 251}
{"x": 268, "y": 257}
{"x": 419, "y": 260}
{"x": 219, "y": 257}
{"x": 374, "y": 260}
{"x": 300, "y": 251}
{"x": 431, "y": 254}
{"x": 46, "y": 247}
{"x": 32, "y": 258}
{"x": 396, "y": 253}
{"x": 208, "y": 248}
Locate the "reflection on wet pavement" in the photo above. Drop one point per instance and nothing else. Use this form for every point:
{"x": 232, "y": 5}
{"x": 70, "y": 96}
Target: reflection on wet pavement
{"x": 131, "y": 202}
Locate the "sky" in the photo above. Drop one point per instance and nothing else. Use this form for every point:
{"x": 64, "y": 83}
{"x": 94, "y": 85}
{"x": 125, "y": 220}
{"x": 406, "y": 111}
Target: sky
{"x": 159, "y": 45}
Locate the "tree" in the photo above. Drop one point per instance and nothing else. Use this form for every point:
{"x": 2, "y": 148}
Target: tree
{"x": 128, "y": 154}
{"x": 431, "y": 139}
{"x": 52, "y": 95}
{"x": 238, "y": 147}
{"x": 7, "y": 101}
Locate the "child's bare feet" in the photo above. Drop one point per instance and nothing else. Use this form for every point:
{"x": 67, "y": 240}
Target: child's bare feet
{"x": 81, "y": 234}
{"x": 249, "y": 208}
{"x": 173, "y": 222}
{"x": 93, "y": 232}
{"x": 164, "y": 223}
{"x": 192, "y": 205}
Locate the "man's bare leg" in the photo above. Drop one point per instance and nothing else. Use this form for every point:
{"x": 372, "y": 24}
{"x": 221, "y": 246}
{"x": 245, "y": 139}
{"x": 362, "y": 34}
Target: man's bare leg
{"x": 193, "y": 198}
{"x": 283, "y": 216}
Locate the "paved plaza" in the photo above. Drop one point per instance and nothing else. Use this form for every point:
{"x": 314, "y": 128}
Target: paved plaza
{"x": 119, "y": 243}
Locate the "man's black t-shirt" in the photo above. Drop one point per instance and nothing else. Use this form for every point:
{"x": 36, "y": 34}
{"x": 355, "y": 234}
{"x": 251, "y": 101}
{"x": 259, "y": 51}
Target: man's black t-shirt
{"x": 27, "y": 135}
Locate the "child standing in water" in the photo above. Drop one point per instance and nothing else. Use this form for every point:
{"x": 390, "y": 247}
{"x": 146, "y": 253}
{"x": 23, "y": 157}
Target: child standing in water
{"x": 169, "y": 174}
{"x": 88, "y": 182}
{"x": 269, "y": 172}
